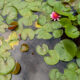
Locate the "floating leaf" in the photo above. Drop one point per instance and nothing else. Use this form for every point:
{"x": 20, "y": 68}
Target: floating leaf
{"x": 1, "y": 3}
{"x": 42, "y": 50}
{"x": 45, "y": 8}
{"x": 78, "y": 61}
{"x": 19, "y": 4}
{"x": 78, "y": 17}
{"x": 5, "y": 54}
{"x": 1, "y": 18}
{"x": 72, "y": 66}
{"x": 10, "y": 12}
{"x": 8, "y": 65}
{"x": 5, "y": 77}
{"x": 66, "y": 49}
{"x": 47, "y": 27}
{"x": 35, "y": 6}
{"x": 70, "y": 74}
{"x": 3, "y": 26}
{"x": 57, "y": 33}
{"x": 25, "y": 12}
{"x": 72, "y": 32}
{"x": 78, "y": 52}
{"x": 58, "y": 6}
{"x": 51, "y": 2}
{"x": 27, "y": 33}
{"x": 42, "y": 20}
{"x": 54, "y": 74}
{"x": 41, "y": 34}
{"x": 53, "y": 58}
{"x": 56, "y": 25}
{"x": 63, "y": 21}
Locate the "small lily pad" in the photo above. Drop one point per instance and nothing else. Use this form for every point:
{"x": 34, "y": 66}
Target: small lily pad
{"x": 42, "y": 50}
{"x": 27, "y": 33}
{"x": 53, "y": 58}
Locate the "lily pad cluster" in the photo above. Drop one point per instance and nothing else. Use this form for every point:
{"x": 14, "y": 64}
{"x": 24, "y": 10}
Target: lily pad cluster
{"x": 65, "y": 50}
{"x": 37, "y": 13}
{"x": 72, "y": 72}
{"x": 7, "y": 63}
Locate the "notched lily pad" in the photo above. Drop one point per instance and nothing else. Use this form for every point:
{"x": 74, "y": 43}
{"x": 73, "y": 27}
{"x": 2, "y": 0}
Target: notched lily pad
{"x": 53, "y": 58}
{"x": 42, "y": 50}
{"x": 72, "y": 32}
{"x": 27, "y": 33}
{"x": 66, "y": 49}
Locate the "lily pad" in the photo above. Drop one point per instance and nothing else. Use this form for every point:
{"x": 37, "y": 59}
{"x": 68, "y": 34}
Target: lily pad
{"x": 66, "y": 49}
{"x": 8, "y": 65}
{"x": 78, "y": 61}
{"x": 42, "y": 50}
{"x": 72, "y": 32}
{"x": 5, "y": 77}
{"x": 54, "y": 74}
{"x": 72, "y": 66}
{"x": 57, "y": 33}
{"x": 27, "y": 33}
{"x": 42, "y": 20}
{"x": 53, "y": 58}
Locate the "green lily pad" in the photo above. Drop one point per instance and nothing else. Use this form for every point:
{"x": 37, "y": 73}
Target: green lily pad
{"x": 70, "y": 74}
{"x": 8, "y": 65}
{"x": 11, "y": 13}
{"x": 78, "y": 52}
{"x": 1, "y": 18}
{"x": 57, "y": 33}
{"x": 56, "y": 25}
{"x": 3, "y": 26}
{"x": 27, "y": 33}
{"x": 78, "y": 17}
{"x": 78, "y": 61}
{"x": 63, "y": 21}
{"x": 51, "y": 2}
{"x": 53, "y": 58}
{"x": 72, "y": 66}
{"x": 42, "y": 20}
{"x": 45, "y": 8}
{"x": 72, "y": 32}
{"x": 66, "y": 49}
{"x": 47, "y": 27}
{"x": 1, "y": 3}
{"x": 43, "y": 35}
{"x": 54, "y": 74}
{"x": 35, "y": 6}
{"x": 5, "y": 77}
{"x": 25, "y": 12}
{"x": 42, "y": 50}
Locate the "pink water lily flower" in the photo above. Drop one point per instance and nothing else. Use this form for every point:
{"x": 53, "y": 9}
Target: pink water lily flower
{"x": 55, "y": 16}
